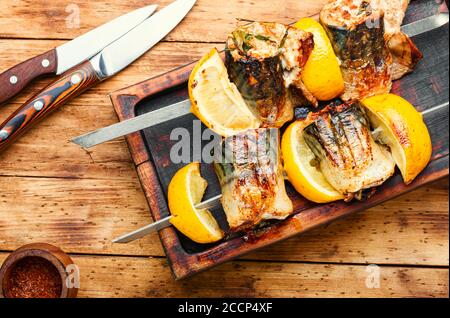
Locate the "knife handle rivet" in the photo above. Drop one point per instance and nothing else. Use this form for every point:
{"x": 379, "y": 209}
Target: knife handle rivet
{"x": 3, "y": 134}
{"x": 45, "y": 63}
{"x": 13, "y": 79}
{"x": 75, "y": 79}
{"x": 38, "y": 105}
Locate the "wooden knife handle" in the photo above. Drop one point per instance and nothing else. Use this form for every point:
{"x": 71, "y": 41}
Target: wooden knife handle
{"x": 16, "y": 78}
{"x": 68, "y": 86}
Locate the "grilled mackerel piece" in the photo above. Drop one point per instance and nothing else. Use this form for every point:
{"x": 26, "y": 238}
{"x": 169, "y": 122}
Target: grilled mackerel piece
{"x": 356, "y": 30}
{"x": 404, "y": 52}
{"x": 347, "y": 155}
{"x": 265, "y": 60}
{"x": 251, "y": 177}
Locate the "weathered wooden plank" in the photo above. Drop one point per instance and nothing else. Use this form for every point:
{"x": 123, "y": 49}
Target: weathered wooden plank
{"x": 412, "y": 229}
{"x": 82, "y": 216}
{"x": 208, "y": 21}
{"x": 151, "y": 277}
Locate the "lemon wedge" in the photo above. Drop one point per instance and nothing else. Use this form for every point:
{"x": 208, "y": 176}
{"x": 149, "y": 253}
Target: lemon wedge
{"x": 299, "y": 165}
{"x": 216, "y": 101}
{"x": 401, "y": 127}
{"x": 321, "y": 74}
{"x": 186, "y": 189}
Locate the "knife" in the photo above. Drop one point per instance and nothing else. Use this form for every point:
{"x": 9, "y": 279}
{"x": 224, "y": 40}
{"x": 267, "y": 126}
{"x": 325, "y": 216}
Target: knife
{"x": 183, "y": 108}
{"x": 111, "y": 60}
{"x": 66, "y": 56}
{"x": 212, "y": 203}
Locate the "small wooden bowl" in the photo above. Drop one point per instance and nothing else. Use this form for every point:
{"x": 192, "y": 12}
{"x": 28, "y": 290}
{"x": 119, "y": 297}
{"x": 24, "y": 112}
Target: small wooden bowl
{"x": 52, "y": 254}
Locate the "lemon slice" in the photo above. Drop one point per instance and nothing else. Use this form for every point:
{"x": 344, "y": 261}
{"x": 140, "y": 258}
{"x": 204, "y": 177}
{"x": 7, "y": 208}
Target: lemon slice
{"x": 299, "y": 166}
{"x": 185, "y": 191}
{"x": 321, "y": 74}
{"x": 216, "y": 101}
{"x": 401, "y": 127}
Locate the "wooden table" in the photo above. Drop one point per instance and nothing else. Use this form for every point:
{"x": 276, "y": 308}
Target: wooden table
{"x": 52, "y": 191}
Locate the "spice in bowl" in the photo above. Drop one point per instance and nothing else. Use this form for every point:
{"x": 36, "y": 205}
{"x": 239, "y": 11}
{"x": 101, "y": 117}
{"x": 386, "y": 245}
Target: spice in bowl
{"x": 38, "y": 270}
{"x": 34, "y": 277}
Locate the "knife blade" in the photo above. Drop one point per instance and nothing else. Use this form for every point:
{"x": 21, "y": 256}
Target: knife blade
{"x": 425, "y": 25}
{"x": 135, "y": 124}
{"x": 127, "y": 49}
{"x": 107, "y": 63}
{"x": 70, "y": 54}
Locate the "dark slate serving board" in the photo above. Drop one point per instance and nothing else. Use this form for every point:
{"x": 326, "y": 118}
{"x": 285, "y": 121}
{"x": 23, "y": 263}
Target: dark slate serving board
{"x": 426, "y": 88}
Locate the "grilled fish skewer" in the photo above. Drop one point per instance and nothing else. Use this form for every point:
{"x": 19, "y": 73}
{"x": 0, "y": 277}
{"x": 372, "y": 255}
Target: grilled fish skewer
{"x": 264, "y": 60}
{"x": 347, "y": 154}
{"x": 405, "y": 54}
{"x": 251, "y": 177}
{"x": 356, "y": 30}
{"x": 208, "y": 204}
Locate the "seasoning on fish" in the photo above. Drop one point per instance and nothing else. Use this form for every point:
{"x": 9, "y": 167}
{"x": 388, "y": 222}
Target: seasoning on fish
{"x": 356, "y": 30}
{"x": 347, "y": 155}
{"x": 265, "y": 60}
{"x": 405, "y": 54}
{"x": 251, "y": 177}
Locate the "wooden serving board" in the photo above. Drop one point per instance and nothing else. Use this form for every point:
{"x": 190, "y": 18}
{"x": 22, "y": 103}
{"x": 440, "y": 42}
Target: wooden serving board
{"x": 426, "y": 88}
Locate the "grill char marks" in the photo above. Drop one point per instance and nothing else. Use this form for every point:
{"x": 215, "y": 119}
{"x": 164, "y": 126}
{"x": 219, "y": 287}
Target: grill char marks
{"x": 349, "y": 158}
{"x": 356, "y": 30}
{"x": 264, "y": 60}
{"x": 251, "y": 178}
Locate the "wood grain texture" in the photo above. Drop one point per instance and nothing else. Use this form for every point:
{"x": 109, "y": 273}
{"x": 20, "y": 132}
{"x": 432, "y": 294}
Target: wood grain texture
{"x": 216, "y": 18}
{"x": 33, "y": 171}
{"x": 70, "y": 85}
{"x": 150, "y": 277}
{"x": 24, "y": 73}
{"x": 72, "y": 214}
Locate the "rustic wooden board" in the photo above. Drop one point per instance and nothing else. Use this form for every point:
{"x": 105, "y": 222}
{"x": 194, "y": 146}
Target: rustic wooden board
{"x": 426, "y": 87}
{"x": 151, "y": 277}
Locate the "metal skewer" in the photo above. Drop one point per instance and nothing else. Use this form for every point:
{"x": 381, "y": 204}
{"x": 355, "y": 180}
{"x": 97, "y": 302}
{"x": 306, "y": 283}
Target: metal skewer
{"x": 208, "y": 204}
{"x": 163, "y": 223}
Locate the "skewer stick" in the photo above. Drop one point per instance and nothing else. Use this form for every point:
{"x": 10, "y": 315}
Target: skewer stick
{"x": 208, "y": 204}
{"x": 163, "y": 223}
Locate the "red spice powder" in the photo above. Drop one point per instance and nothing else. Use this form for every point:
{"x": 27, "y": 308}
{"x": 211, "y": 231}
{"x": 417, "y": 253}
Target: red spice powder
{"x": 34, "y": 277}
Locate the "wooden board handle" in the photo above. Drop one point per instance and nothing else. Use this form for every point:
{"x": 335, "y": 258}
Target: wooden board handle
{"x": 16, "y": 78}
{"x": 68, "y": 86}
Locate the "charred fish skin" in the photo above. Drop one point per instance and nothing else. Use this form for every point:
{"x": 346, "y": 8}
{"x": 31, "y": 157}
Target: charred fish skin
{"x": 357, "y": 35}
{"x": 347, "y": 155}
{"x": 263, "y": 60}
{"x": 250, "y": 174}
{"x": 261, "y": 84}
{"x": 405, "y": 54}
